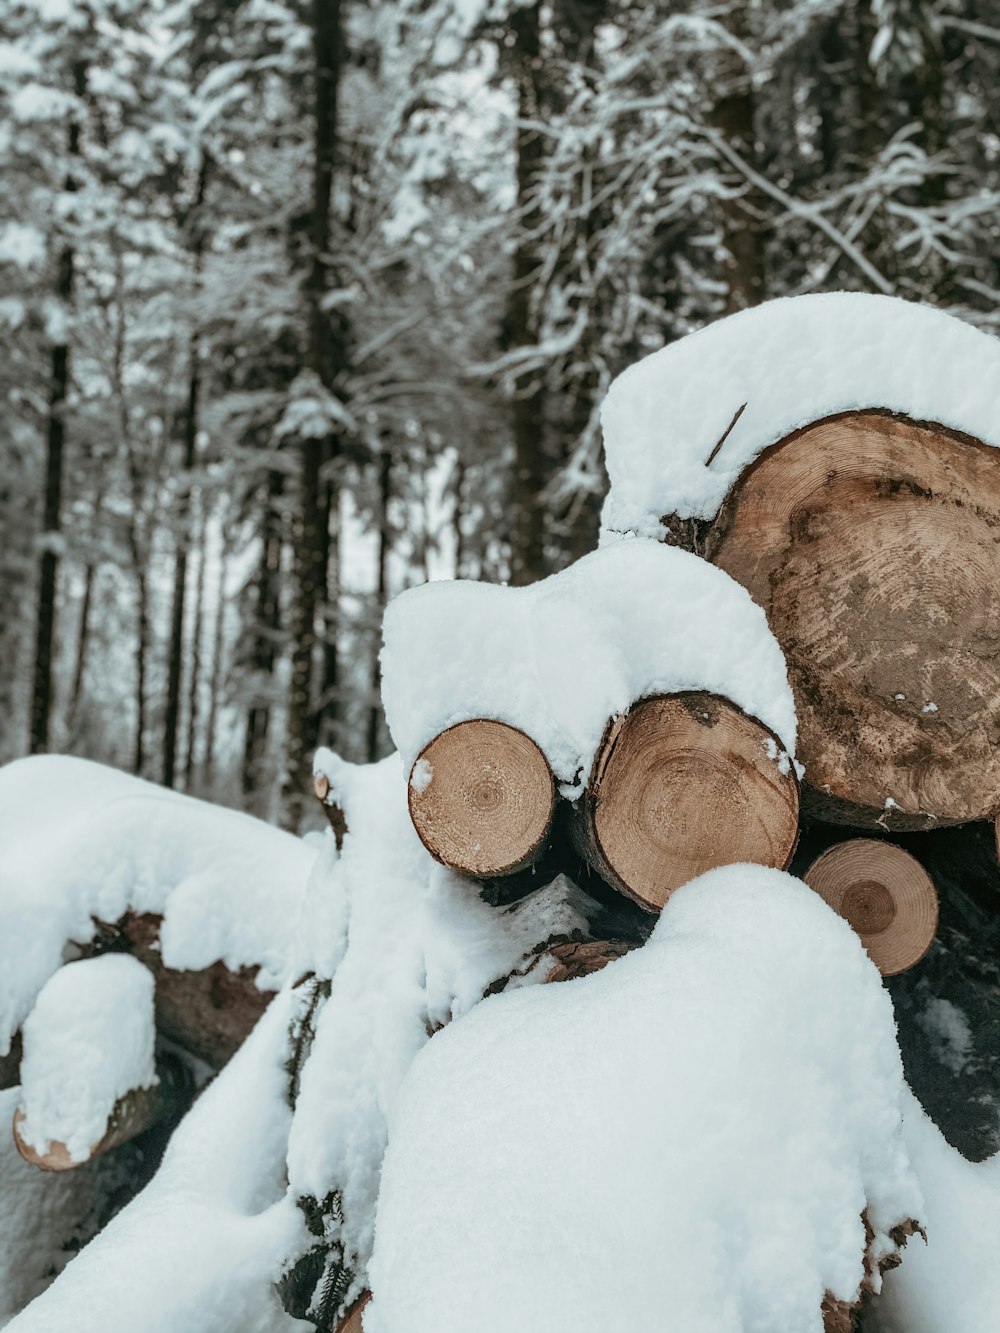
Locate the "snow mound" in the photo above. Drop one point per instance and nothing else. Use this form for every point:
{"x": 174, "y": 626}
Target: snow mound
{"x": 89, "y": 1040}
{"x": 951, "y": 1284}
{"x": 689, "y": 1137}
{"x": 202, "y": 1245}
{"x": 782, "y": 365}
{"x": 408, "y": 946}
{"x": 559, "y": 658}
{"x": 79, "y": 841}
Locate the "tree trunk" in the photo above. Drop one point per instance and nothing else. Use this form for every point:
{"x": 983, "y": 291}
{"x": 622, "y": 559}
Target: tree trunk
{"x": 82, "y": 641}
{"x": 265, "y": 631}
{"x": 194, "y": 678}
{"x": 870, "y": 541}
{"x": 681, "y": 784}
{"x": 59, "y": 381}
{"x": 530, "y": 470}
{"x": 324, "y": 357}
{"x": 482, "y": 798}
{"x": 384, "y": 543}
{"x": 733, "y": 117}
{"x": 175, "y": 659}
{"x": 215, "y": 671}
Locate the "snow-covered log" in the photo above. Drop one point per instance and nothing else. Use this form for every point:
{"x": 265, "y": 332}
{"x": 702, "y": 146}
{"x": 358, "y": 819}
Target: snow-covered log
{"x": 855, "y": 492}
{"x": 738, "y": 1082}
{"x": 885, "y": 894}
{"x": 681, "y": 784}
{"x": 89, "y": 1079}
{"x": 486, "y": 689}
{"x": 193, "y": 888}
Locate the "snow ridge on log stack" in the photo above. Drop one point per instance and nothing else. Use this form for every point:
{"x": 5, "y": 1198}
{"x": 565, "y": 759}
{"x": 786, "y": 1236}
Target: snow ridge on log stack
{"x": 836, "y": 455}
{"x": 485, "y": 686}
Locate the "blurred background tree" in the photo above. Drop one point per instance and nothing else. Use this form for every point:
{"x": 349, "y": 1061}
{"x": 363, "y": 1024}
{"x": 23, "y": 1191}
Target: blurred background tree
{"x": 305, "y": 301}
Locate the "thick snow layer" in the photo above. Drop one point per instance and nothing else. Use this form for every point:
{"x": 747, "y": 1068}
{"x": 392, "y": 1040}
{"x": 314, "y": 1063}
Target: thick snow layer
{"x": 951, "y": 1284}
{"x": 409, "y": 946}
{"x": 559, "y": 658}
{"x": 202, "y": 1245}
{"x": 782, "y": 365}
{"x": 79, "y": 841}
{"x": 686, "y": 1139}
{"x": 42, "y": 1214}
{"x": 89, "y": 1040}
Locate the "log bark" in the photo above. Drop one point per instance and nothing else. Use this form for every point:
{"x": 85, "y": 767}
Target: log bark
{"x": 681, "y": 784}
{"x": 871, "y": 542}
{"x": 351, "y": 1322}
{"x": 209, "y": 1012}
{"x": 885, "y": 894}
{"x": 482, "y": 798}
{"x": 133, "y": 1114}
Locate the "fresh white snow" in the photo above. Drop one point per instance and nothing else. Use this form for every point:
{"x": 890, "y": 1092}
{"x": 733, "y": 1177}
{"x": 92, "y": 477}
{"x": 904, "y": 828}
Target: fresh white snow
{"x": 409, "y": 946}
{"x": 89, "y": 1040}
{"x": 689, "y": 1136}
{"x": 782, "y": 365}
{"x": 562, "y": 656}
{"x": 79, "y": 841}
{"x": 201, "y": 1247}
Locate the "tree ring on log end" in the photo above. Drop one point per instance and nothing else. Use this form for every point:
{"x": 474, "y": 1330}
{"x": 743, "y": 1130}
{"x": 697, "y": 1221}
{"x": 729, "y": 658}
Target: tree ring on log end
{"x": 873, "y": 544}
{"x": 885, "y": 894}
{"x": 482, "y": 797}
{"x": 685, "y": 783}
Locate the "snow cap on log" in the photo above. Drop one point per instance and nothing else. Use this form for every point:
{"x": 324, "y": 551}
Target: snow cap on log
{"x": 682, "y": 424}
{"x": 87, "y": 1043}
{"x": 561, "y": 657}
{"x": 80, "y": 842}
{"x": 739, "y": 1082}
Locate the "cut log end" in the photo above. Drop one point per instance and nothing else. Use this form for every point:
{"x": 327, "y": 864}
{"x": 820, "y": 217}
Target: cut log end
{"x": 884, "y": 894}
{"x": 482, "y": 797}
{"x": 870, "y": 542}
{"x": 682, "y": 784}
{"x": 134, "y": 1113}
{"x": 333, "y": 812}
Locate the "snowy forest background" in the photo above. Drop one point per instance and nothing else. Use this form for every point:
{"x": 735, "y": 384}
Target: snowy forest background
{"x": 304, "y": 303}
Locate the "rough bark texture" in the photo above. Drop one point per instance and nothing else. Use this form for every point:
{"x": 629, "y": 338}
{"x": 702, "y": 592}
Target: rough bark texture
{"x": 482, "y": 798}
{"x": 683, "y": 783}
{"x": 209, "y": 1012}
{"x": 871, "y": 541}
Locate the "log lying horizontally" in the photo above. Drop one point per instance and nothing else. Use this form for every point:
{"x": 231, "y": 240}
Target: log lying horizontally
{"x": 351, "y": 1322}
{"x": 134, "y": 1113}
{"x": 209, "y": 1012}
{"x": 482, "y": 797}
{"x": 681, "y": 784}
{"x": 885, "y": 894}
{"x": 871, "y": 543}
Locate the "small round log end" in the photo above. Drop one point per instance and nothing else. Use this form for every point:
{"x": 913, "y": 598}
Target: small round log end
{"x": 482, "y": 798}
{"x": 884, "y": 894}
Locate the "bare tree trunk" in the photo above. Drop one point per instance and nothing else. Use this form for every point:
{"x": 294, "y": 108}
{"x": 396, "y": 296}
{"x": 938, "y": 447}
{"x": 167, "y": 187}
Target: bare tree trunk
{"x": 175, "y": 660}
{"x": 82, "y": 642}
{"x": 59, "y": 379}
{"x": 324, "y": 355}
{"x": 530, "y": 473}
{"x": 384, "y": 544}
{"x": 215, "y": 671}
{"x": 194, "y": 680}
{"x": 265, "y": 631}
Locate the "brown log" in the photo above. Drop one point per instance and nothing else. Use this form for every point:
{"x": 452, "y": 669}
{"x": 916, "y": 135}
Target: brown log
{"x": 579, "y": 958}
{"x": 209, "y": 1012}
{"x": 134, "y": 1113}
{"x": 482, "y": 797}
{"x": 351, "y": 1322}
{"x": 885, "y": 894}
{"x": 333, "y": 812}
{"x": 871, "y": 541}
{"x": 681, "y": 784}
